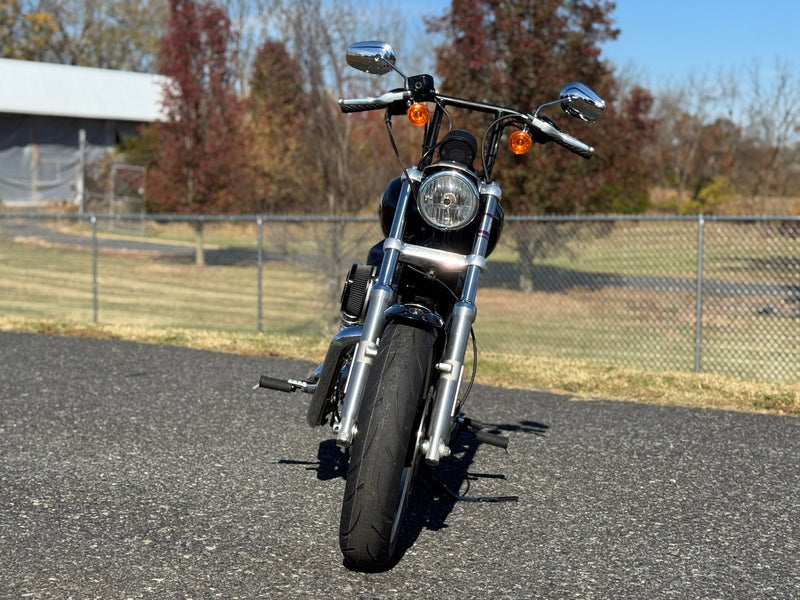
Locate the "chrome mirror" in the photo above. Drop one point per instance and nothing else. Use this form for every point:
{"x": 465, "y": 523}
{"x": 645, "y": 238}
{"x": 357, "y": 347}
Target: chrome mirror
{"x": 581, "y": 102}
{"x": 377, "y": 58}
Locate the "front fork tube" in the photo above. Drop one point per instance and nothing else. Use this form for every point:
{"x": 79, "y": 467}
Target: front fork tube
{"x": 380, "y": 299}
{"x": 452, "y": 363}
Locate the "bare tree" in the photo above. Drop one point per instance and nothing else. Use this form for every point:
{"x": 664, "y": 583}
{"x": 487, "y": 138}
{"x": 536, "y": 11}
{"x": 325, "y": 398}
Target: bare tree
{"x": 251, "y": 29}
{"x": 772, "y": 122}
{"x": 349, "y": 158}
{"x": 731, "y": 132}
{"x": 348, "y": 163}
{"x": 683, "y": 112}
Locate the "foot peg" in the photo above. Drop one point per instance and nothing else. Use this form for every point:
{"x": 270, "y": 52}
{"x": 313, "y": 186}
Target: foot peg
{"x": 475, "y": 429}
{"x": 285, "y": 385}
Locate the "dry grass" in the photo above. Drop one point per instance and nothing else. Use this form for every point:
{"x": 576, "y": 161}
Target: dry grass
{"x": 587, "y": 380}
{"x": 663, "y": 199}
{"x": 579, "y": 379}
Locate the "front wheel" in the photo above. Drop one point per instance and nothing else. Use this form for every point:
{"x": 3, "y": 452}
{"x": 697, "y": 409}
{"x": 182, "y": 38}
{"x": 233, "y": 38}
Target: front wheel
{"x": 384, "y": 450}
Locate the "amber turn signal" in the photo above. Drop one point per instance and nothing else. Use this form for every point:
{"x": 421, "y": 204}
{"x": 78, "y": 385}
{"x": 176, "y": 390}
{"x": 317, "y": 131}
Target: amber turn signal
{"x": 418, "y": 114}
{"x": 520, "y": 142}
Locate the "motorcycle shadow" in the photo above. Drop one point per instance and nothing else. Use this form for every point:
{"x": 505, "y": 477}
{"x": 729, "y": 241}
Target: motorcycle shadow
{"x": 332, "y": 462}
{"x": 433, "y": 496}
{"x": 436, "y": 490}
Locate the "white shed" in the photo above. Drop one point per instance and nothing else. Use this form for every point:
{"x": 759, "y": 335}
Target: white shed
{"x": 43, "y": 109}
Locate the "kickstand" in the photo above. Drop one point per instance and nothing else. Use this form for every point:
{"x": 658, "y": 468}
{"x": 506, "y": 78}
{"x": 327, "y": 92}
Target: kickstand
{"x": 460, "y": 498}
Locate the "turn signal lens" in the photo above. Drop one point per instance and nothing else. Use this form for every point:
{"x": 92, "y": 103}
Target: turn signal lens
{"x": 418, "y": 114}
{"x": 520, "y": 142}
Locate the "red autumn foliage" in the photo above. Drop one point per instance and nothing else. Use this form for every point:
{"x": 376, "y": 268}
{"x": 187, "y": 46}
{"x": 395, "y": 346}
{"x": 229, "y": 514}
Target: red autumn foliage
{"x": 519, "y": 53}
{"x": 201, "y": 159}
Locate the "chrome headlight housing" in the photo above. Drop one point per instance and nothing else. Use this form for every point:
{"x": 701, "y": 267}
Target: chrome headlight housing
{"x": 448, "y": 200}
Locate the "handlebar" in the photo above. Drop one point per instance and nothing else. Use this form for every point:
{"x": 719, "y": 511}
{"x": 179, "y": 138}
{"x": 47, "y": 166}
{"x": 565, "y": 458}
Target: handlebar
{"x": 548, "y": 129}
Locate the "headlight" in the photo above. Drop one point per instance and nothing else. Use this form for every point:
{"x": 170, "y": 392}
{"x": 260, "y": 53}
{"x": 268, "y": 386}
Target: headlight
{"x": 448, "y": 200}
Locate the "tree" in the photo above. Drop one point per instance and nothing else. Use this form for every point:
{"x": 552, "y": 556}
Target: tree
{"x": 25, "y": 32}
{"x": 686, "y": 144}
{"x": 112, "y": 34}
{"x": 345, "y": 160}
{"x": 277, "y": 105}
{"x": 351, "y": 156}
{"x": 773, "y": 122}
{"x": 728, "y": 136}
{"x": 317, "y": 37}
{"x": 251, "y": 23}
{"x": 519, "y": 53}
{"x": 201, "y": 156}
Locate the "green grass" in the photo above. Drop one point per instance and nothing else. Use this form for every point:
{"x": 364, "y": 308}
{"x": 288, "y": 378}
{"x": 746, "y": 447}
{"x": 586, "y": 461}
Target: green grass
{"x": 582, "y": 342}
{"x": 636, "y": 327}
{"x": 284, "y": 237}
{"x": 665, "y": 248}
{"x": 146, "y": 290}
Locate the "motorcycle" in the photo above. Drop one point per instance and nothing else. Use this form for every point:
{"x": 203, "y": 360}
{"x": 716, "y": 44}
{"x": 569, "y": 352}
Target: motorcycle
{"x": 392, "y": 385}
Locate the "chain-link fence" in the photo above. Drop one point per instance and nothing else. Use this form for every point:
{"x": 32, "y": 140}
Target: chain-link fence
{"x": 713, "y": 294}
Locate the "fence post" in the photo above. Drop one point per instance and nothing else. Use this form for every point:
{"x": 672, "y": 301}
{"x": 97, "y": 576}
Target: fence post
{"x": 94, "y": 269}
{"x": 260, "y": 229}
{"x": 698, "y": 336}
{"x": 80, "y": 180}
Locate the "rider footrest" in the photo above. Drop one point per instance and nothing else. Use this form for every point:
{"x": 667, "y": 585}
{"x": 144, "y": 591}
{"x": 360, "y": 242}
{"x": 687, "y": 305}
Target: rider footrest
{"x": 285, "y": 385}
{"x": 475, "y": 429}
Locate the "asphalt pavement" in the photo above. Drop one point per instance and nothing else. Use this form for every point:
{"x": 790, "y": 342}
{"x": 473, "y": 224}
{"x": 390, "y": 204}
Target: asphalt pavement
{"x": 142, "y": 471}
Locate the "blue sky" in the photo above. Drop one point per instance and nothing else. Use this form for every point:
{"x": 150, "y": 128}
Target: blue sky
{"x": 670, "y": 39}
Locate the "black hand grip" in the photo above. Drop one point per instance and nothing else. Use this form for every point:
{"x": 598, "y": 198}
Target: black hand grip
{"x": 353, "y": 108}
{"x": 276, "y": 384}
{"x": 362, "y": 104}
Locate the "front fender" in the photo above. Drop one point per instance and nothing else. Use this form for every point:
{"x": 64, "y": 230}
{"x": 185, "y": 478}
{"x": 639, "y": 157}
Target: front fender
{"x": 415, "y": 314}
{"x": 328, "y": 372}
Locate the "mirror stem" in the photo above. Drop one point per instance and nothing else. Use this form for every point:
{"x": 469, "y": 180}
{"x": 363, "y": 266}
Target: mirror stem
{"x": 545, "y": 105}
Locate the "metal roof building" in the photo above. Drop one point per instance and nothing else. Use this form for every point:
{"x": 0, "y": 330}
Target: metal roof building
{"x": 35, "y": 88}
{"x": 43, "y": 109}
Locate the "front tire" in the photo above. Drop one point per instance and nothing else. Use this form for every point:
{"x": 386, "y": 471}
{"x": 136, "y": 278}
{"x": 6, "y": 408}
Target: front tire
{"x": 383, "y": 452}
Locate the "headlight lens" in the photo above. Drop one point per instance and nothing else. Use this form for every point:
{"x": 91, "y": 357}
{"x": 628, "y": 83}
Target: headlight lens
{"x": 448, "y": 200}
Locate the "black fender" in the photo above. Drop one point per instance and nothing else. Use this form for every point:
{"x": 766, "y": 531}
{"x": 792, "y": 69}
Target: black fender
{"x": 328, "y": 372}
{"x": 415, "y": 314}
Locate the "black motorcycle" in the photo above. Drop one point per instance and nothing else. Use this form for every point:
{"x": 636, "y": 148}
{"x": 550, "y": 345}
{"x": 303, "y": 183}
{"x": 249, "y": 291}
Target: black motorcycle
{"x": 391, "y": 383}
